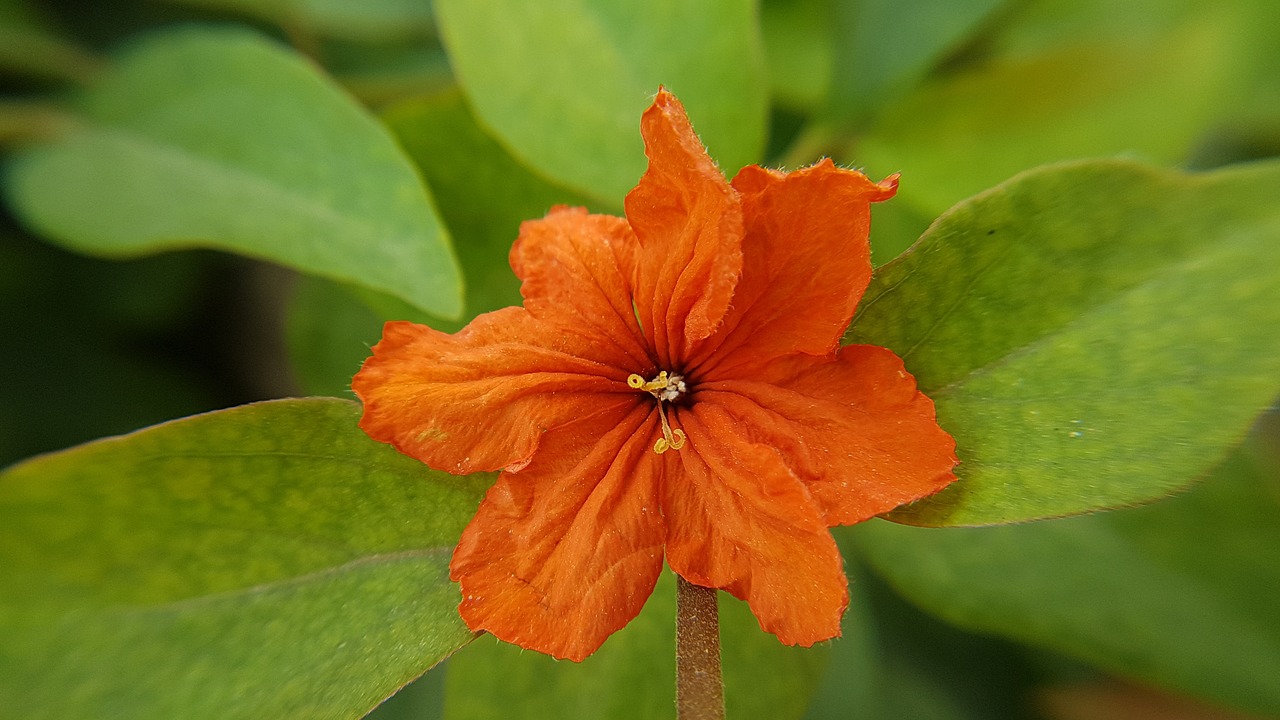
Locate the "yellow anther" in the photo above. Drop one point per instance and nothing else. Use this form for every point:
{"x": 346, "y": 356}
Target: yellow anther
{"x": 654, "y": 386}
{"x": 665, "y": 388}
{"x": 671, "y": 439}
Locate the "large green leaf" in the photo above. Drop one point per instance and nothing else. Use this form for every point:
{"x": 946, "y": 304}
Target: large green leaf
{"x": 563, "y": 82}
{"x": 1094, "y": 334}
{"x": 220, "y": 138}
{"x": 632, "y": 676}
{"x": 1180, "y": 593}
{"x": 264, "y": 561}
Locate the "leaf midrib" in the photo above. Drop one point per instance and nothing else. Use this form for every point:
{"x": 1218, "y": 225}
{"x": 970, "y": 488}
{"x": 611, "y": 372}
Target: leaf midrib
{"x": 285, "y": 583}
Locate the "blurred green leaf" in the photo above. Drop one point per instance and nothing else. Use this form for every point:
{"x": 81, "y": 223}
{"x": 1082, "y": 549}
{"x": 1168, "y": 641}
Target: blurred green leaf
{"x": 896, "y": 662}
{"x": 563, "y": 82}
{"x": 633, "y": 675}
{"x": 264, "y": 561}
{"x": 484, "y": 195}
{"x": 1094, "y": 334}
{"x": 422, "y": 699}
{"x": 895, "y": 227}
{"x": 363, "y": 20}
{"x": 330, "y": 333}
{"x": 26, "y": 121}
{"x": 369, "y": 18}
{"x": 883, "y": 47}
{"x": 1060, "y": 83}
{"x": 798, "y": 47}
{"x": 383, "y": 73}
{"x": 30, "y": 47}
{"x": 79, "y": 341}
{"x": 220, "y": 138}
{"x": 1260, "y": 96}
{"x": 1181, "y": 593}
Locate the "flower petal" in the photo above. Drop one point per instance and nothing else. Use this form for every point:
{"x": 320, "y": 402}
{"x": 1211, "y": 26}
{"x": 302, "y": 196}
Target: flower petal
{"x": 577, "y": 269}
{"x": 689, "y": 225}
{"x": 855, "y": 429}
{"x": 565, "y": 552}
{"x": 481, "y": 399}
{"x": 806, "y": 262}
{"x": 738, "y": 519}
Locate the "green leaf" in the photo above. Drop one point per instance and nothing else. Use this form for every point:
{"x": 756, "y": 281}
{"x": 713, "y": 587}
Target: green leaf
{"x": 27, "y": 121}
{"x": 894, "y": 661}
{"x": 220, "y": 138}
{"x": 82, "y": 335}
{"x": 563, "y": 82}
{"x": 422, "y": 699}
{"x": 1063, "y": 82}
{"x": 369, "y": 19}
{"x": 799, "y": 47}
{"x": 383, "y": 73}
{"x": 1260, "y": 96}
{"x": 264, "y": 561}
{"x": 330, "y": 333}
{"x": 883, "y": 47}
{"x": 31, "y": 48}
{"x": 364, "y": 20}
{"x": 1094, "y": 334}
{"x": 484, "y": 195}
{"x": 1181, "y": 593}
{"x": 633, "y": 675}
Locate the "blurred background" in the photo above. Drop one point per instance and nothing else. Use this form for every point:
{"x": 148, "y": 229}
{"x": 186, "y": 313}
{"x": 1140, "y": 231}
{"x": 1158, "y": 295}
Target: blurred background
{"x": 957, "y": 96}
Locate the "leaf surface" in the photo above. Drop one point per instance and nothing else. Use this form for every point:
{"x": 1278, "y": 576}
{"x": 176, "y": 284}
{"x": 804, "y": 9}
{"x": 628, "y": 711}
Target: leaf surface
{"x": 1054, "y": 81}
{"x": 217, "y": 137}
{"x": 632, "y": 676}
{"x": 1180, "y": 593}
{"x": 1094, "y": 334}
{"x": 264, "y": 561}
{"x": 563, "y": 82}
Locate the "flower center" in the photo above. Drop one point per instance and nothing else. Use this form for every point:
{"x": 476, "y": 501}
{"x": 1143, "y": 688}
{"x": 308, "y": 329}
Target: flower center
{"x": 666, "y": 387}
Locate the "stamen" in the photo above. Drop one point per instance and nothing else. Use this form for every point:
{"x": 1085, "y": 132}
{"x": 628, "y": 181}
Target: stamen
{"x": 665, "y": 388}
{"x": 671, "y": 439}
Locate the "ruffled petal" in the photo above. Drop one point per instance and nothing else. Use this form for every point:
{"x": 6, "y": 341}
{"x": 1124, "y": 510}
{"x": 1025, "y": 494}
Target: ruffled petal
{"x": 855, "y": 429}
{"x": 483, "y": 398}
{"x": 565, "y": 552}
{"x": 577, "y": 270}
{"x": 689, "y": 225}
{"x": 806, "y": 262}
{"x": 738, "y": 519}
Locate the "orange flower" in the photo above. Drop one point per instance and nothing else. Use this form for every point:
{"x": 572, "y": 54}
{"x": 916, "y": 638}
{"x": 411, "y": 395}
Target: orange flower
{"x": 673, "y": 382}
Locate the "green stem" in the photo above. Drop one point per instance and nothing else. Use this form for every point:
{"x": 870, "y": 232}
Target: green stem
{"x": 699, "y": 689}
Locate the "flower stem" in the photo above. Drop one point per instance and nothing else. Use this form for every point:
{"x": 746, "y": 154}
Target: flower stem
{"x": 699, "y": 690}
